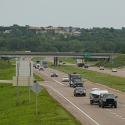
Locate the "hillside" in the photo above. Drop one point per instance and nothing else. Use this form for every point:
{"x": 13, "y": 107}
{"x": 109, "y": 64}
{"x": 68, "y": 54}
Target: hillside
{"x": 62, "y": 39}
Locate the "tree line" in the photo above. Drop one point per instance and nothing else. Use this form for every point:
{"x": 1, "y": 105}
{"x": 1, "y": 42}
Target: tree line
{"x": 95, "y": 40}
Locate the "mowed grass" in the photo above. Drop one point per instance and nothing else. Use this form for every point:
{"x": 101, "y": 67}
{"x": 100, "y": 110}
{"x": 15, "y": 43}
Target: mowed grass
{"x": 7, "y": 74}
{"x": 50, "y": 112}
{"x": 67, "y": 59}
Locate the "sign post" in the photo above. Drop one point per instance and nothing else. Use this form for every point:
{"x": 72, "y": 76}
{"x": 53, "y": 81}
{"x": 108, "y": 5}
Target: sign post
{"x": 36, "y": 88}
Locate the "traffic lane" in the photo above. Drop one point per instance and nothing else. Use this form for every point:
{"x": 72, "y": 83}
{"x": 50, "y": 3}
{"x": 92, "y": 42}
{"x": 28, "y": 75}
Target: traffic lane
{"x": 61, "y": 94}
{"x": 89, "y": 106}
{"x": 121, "y": 97}
{"x": 53, "y": 88}
{"x": 120, "y": 71}
{"x": 103, "y": 116}
{"x": 120, "y": 111}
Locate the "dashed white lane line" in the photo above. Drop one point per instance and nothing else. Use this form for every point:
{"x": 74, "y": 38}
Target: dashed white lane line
{"x": 53, "y": 79}
{"x": 79, "y": 108}
{"x": 114, "y": 113}
{"x": 73, "y": 105}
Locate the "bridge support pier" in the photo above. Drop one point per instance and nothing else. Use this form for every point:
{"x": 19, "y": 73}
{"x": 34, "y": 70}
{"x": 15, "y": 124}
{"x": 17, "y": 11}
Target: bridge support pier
{"x": 55, "y": 61}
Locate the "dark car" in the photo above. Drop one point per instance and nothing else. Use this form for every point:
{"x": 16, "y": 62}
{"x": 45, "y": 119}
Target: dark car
{"x": 80, "y": 64}
{"x": 107, "y": 99}
{"x": 54, "y": 74}
{"x": 80, "y": 91}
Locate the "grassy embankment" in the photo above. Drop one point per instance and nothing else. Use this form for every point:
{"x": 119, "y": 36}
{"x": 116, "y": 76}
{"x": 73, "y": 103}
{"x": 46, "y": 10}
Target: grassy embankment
{"x": 115, "y": 82}
{"x": 50, "y": 112}
{"x": 74, "y": 60}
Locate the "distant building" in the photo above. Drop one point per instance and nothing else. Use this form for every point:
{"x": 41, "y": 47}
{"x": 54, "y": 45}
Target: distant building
{"x": 7, "y": 31}
{"x": 77, "y": 33}
{"x": 33, "y": 28}
{"x": 51, "y": 28}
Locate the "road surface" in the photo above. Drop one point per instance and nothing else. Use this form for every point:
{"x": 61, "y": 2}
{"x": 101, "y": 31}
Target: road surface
{"x": 80, "y": 106}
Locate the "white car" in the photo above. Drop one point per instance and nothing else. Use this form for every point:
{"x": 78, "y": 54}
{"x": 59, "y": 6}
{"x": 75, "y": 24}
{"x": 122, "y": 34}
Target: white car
{"x": 101, "y": 68}
{"x": 114, "y": 70}
{"x": 54, "y": 74}
{"x": 95, "y": 89}
{"x": 65, "y": 79}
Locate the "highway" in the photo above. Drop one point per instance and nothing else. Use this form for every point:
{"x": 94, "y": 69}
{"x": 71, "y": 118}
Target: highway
{"x": 80, "y": 106}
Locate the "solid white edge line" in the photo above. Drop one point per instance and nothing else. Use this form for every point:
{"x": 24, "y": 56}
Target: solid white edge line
{"x": 74, "y": 105}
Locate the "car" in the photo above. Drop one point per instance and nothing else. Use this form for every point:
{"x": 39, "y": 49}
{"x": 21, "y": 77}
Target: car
{"x": 60, "y": 61}
{"x": 41, "y": 68}
{"x": 101, "y": 67}
{"x": 107, "y": 99}
{"x": 35, "y": 80}
{"x": 94, "y": 95}
{"x": 54, "y": 74}
{"x": 37, "y": 66}
{"x": 114, "y": 70}
{"x": 94, "y": 89}
{"x": 65, "y": 79}
{"x": 80, "y": 91}
{"x": 80, "y": 64}
{"x": 85, "y": 66}
{"x": 88, "y": 65}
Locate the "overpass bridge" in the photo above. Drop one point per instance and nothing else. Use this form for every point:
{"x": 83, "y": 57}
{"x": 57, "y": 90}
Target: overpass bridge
{"x": 58, "y": 54}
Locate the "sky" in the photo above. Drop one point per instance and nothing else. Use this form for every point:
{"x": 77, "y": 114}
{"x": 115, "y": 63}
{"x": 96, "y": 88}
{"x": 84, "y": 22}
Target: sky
{"x": 64, "y": 13}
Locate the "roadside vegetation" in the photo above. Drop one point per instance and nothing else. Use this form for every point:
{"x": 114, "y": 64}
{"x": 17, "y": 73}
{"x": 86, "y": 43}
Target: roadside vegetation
{"x": 115, "y": 82}
{"x": 50, "y": 112}
{"x": 26, "y": 38}
{"x": 38, "y": 58}
{"x": 67, "y": 59}
{"x": 74, "y": 60}
{"x": 117, "y": 62}
{"x": 5, "y": 64}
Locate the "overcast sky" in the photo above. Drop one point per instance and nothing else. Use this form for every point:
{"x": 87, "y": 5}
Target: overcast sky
{"x": 65, "y": 13}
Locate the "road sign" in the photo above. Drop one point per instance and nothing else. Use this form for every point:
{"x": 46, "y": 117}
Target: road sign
{"x": 112, "y": 62}
{"x": 87, "y": 55}
{"x": 36, "y": 88}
